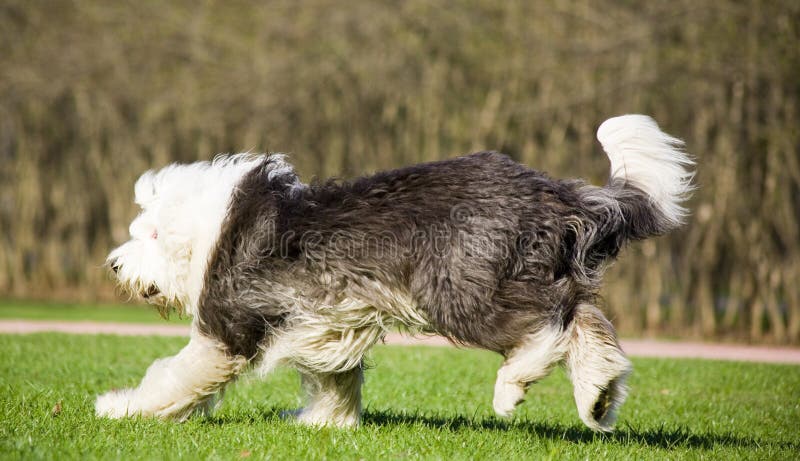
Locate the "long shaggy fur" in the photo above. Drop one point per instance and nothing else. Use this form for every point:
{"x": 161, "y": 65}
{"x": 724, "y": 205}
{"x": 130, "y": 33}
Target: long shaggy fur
{"x": 479, "y": 249}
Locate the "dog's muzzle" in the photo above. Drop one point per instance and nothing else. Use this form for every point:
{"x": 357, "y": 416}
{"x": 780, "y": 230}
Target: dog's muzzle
{"x": 149, "y": 292}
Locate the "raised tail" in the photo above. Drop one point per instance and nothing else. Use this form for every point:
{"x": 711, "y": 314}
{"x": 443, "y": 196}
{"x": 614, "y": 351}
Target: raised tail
{"x": 651, "y": 178}
{"x": 647, "y": 163}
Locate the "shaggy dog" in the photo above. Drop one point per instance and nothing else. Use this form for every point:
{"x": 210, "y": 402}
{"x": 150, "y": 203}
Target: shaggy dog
{"x": 479, "y": 249}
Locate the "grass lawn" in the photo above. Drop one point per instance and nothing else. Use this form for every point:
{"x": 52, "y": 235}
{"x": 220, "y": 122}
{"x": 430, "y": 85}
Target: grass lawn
{"x": 33, "y": 310}
{"x": 421, "y": 403}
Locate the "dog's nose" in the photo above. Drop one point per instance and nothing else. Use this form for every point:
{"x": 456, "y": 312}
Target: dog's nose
{"x": 114, "y": 266}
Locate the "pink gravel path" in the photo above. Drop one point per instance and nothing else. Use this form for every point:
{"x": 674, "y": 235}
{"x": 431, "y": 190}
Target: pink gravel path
{"x": 634, "y": 347}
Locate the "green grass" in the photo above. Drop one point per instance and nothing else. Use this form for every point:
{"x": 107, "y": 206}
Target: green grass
{"x": 420, "y": 403}
{"x": 33, "y": 310}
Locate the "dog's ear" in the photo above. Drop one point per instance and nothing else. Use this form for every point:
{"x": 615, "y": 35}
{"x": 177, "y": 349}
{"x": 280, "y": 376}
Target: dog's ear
{"x": 145, "y": 189}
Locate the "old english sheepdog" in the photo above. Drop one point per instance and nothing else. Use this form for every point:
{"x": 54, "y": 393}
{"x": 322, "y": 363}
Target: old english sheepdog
{"x": 479, "y": 249}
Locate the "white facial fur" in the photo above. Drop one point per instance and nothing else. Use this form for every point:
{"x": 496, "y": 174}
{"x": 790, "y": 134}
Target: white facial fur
{"x": 182, "y": 210}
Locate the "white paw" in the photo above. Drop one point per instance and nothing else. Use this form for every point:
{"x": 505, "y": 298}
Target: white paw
{"x": 310, "y": 417}
{"x": 506, "y": 397}
{"x": 114, "y": 404}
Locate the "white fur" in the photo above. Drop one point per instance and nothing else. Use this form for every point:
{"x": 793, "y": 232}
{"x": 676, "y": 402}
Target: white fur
{"x": 183, "y": 207}
{"x": 653, "y": 161}
{"x": 182, "y": 211}
{"x": 596, "y": 365}
{"x": 327, "y": 344}
{"x": 530, "y": 362}
{"x": 332, "y": 337}
{"x": 175, "y": 387}
{"x": 332, "y": 398}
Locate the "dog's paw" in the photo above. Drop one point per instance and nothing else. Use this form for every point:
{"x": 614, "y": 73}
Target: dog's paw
{"x": 309, "y": 417}
{"x": 506, "y": 398}
{"x": 315, "y": 418}
{"x": 114, "y": 404}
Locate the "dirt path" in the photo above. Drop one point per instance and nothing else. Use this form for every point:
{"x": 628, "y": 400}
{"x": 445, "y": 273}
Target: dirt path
{"x": 634, "y": 347}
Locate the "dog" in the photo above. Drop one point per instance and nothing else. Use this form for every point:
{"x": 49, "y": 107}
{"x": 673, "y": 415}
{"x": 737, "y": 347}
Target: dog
{"x": 479, "y": 249}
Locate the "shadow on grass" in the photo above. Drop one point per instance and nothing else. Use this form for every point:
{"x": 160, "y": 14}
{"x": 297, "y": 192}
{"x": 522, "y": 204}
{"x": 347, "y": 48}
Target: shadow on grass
{"x": 661, "y": 437}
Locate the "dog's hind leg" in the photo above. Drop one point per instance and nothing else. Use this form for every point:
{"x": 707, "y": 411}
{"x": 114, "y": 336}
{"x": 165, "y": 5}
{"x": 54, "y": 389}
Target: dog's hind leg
{"x": 597, "y": 367}
{"x": 175, "y": 387}
{"x": 529, "y": 362}
{"x": 333, "y": 398}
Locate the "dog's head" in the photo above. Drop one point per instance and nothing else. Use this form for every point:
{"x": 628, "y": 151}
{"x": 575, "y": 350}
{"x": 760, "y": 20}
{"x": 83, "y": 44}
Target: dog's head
{"x": 182, "y": 210}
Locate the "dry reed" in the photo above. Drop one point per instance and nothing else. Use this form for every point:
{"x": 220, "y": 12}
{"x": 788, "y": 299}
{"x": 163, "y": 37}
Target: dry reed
{"x": 94, "y": 93}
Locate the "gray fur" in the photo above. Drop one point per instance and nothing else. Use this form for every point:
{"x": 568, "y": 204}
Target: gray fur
{"x": 487, "y": 248}
{"x": 487, "y": 251}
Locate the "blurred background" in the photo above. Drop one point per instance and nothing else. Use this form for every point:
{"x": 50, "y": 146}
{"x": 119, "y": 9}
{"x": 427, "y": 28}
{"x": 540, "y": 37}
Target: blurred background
{"x": 94, "y": 93}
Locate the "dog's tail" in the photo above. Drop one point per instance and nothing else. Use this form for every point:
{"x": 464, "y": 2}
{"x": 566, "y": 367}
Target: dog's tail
{"x": 651, "y": 177}
{"x": 648, "y": 163}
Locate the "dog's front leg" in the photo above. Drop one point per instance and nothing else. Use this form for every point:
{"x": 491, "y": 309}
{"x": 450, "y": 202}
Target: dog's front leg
{"x": 334, "y": 399}
{"x": 175, "y": 387}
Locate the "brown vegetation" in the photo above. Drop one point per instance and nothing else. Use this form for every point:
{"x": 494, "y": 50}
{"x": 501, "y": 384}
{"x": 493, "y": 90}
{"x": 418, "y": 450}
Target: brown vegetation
{"x": 94, "y": 93}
